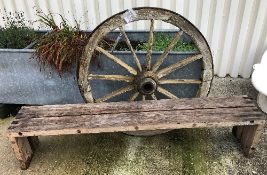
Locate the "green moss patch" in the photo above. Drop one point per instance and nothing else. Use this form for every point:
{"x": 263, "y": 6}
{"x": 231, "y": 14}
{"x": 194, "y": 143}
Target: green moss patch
{"x": 104, "y": 153}
{"x": 177, "y": 152}
{"x": 194, "y": 145}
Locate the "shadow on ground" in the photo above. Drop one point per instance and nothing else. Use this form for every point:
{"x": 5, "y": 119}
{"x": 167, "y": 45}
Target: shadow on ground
{"x": 182, "y": 151}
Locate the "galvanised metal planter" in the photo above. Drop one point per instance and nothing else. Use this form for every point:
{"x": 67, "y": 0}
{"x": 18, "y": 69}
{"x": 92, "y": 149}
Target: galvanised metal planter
{"x": 25, "y": 81}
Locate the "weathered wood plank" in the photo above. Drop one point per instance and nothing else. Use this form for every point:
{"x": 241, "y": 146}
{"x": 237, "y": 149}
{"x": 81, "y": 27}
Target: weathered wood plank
{"x": 185, "y": 115}
{"x": 165, "y": 126}
{"x": 125, "y": 116}
{"x": 122, "y": 107}
{"x": 178, "y": 118}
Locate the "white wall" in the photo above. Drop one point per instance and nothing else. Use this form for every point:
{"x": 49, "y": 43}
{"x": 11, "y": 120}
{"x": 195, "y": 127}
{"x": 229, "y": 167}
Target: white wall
{"x": 235, "y": 29}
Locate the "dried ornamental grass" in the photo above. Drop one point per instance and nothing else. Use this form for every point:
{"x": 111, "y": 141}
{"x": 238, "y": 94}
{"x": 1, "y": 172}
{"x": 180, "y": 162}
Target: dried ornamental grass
{"x": 62, "y": 46}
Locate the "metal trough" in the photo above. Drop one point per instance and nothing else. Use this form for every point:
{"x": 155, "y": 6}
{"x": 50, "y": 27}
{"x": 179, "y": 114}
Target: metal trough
{"x": 25, "y": 81}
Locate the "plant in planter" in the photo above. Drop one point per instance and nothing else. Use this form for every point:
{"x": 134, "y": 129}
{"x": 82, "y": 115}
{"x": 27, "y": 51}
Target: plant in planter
{"x": 62, "y": 46}
{"x": 27, "y": 83}
{"x": 15, "y": 33}
{"x": 161, "y": 41}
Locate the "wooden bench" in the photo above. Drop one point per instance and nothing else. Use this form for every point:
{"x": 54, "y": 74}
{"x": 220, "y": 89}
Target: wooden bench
{"x": 34, "y": 121}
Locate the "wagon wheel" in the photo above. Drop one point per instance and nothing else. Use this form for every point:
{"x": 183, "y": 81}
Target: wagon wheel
{"x": 145, "y": 79}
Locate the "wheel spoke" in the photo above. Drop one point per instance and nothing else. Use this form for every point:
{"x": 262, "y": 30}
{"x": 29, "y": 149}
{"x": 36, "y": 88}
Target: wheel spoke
{"x": 134, "y": 96}
{"x": 167, "y": 93}
{"x": 179, "y": 81}
{"x": 167, "y": 50}
{"x": 149, "y": 47}
{"x": 115, "y": 93}
{"x": 154, "y": 96}
{"x": 143, "y": 97}
{"x": 117, "y": 60}
{"x": 131, "y": 48}
{"x": 173, "y": 67}
{"x": 110, "y": 77}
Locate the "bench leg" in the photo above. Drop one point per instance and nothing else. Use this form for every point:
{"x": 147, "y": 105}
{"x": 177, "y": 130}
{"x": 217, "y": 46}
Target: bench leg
{"x": 34, "y": 142}
{"x": 249, "y": 136}
{"x": 23, "y": 151}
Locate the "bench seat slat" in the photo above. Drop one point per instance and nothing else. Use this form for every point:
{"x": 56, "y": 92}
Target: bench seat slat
{"x": 122, "y": 107}
{"x": 201, "y": 112}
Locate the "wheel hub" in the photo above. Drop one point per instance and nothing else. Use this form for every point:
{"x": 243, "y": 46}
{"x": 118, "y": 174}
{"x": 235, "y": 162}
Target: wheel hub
{"x": 147, "y": 86}
{"x": 146, "y": 82}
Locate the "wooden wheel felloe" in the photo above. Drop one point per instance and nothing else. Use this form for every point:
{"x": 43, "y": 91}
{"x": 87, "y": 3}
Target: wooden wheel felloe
{"x": 147, "y": 78}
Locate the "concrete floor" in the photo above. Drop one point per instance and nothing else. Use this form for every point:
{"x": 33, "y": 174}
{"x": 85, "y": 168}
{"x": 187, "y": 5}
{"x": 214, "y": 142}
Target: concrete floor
{"x": 185, "y": 151}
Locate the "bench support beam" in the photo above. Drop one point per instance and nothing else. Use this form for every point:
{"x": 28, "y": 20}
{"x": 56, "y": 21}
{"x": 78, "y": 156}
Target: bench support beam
{"x": 23, "y": 148}
{"x": 249, "y": 137}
